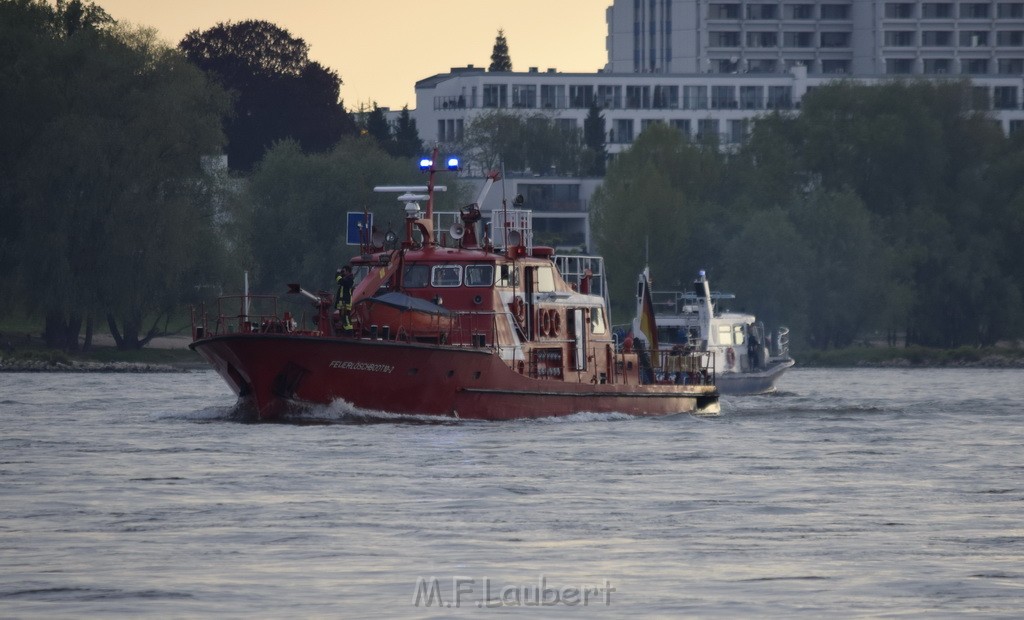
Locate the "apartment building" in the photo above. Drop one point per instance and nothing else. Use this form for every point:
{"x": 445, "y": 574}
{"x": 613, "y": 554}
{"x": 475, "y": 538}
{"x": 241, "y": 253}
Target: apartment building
{"x": 711, "y": 66}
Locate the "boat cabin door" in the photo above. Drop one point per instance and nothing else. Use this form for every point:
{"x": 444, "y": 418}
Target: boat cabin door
{"x": 578, "y": 335}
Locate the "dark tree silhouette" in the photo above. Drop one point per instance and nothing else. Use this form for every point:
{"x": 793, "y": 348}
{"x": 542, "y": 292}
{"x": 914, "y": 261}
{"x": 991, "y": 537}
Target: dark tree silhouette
{"x": 279, "y": 93}
{"x": 594, "y": 141}
{"x": 500, "y": 60}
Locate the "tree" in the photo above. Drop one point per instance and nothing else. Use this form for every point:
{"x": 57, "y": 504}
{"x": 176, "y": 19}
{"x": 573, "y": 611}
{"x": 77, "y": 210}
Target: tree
{"x": 295, "y": 222}
{"x": 377, "y": 126}
{"x": 594, "y": 140}
{"x": 104, "y": 192}
{"x": 406, "y": 136}
{"x": 500, "y": 60}
{"x": 522, "y": 142}
{"x": 279, "y": 93}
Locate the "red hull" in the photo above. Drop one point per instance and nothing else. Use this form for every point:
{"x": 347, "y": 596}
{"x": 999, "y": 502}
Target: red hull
{"x": 422, "y": 379}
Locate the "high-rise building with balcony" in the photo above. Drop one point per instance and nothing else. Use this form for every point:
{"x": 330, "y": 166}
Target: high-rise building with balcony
{"x": 829, "y": 37}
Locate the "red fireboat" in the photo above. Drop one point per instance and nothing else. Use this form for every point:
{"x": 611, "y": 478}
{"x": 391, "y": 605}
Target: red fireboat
{"x": 466, "y": 327}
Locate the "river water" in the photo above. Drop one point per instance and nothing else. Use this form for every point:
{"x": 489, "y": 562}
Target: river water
{"x": 848, "y": 493}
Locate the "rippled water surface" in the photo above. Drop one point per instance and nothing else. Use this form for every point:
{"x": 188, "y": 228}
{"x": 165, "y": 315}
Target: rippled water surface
{"x": 849, "y": 493}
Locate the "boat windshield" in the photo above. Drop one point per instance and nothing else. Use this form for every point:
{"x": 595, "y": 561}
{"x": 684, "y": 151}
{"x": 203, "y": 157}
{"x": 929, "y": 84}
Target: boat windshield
{"x": 479, "y": 275}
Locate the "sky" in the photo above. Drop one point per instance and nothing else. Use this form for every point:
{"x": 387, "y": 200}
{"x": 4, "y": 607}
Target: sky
{"x": 380, "y": 49}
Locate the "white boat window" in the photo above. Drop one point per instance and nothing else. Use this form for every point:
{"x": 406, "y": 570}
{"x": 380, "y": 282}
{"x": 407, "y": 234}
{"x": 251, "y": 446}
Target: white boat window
{"x": 507, "y": 275}
{"x": 737, "y": 331}
{"x": 545, "y": 280}
{"x": 479, "y": 275}
{"x": 416, "y": 276}
{"x": 446, "y": 275}
{"x": 725, "y": 335}
{"x": 597, "y": 324}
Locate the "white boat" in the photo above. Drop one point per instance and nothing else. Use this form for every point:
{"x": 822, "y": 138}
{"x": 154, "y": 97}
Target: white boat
{"x": 747, "y": 358}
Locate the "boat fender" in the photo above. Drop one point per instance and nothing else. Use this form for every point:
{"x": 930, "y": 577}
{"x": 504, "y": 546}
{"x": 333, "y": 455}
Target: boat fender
{"x": 730, "y": 357}
{"x": 522, "y": 366}
{"x": 518, "y": 307}
{"x": 545, "y": 322}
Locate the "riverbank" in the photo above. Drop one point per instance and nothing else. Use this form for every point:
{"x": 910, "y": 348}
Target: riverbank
{"x": 912, "y": 357}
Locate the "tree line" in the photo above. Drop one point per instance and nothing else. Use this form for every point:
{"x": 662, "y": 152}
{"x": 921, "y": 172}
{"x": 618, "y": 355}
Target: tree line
{"x": 113, "y": 211}
{"x": 892, "y": 212}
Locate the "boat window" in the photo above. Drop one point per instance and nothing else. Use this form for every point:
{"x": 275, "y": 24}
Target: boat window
{"x": 416, "y": 276}
{"x": 446, "y": 275}
{"x": 479, "y": 275}
{"x": 358, "y": 273}
{"x": 725, "y": 335}
{"x": 508, "y": 275}
{"x": 597, "y": 324}
{"x": 545, "y": 280}
{"x": 737, "y": 331}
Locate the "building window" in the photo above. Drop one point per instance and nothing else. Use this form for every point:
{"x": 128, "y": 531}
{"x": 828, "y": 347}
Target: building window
{"x": 937, "y": 38}
{"x": 973, "y": 38}
{"x": 725, "y": 65}
{"x": 707, "y": 128}
{"x": 751, "y": 97}
{"x": 762, "y": 39}
{"x": 974, "y": 10}
{"x": 937, "y": 66}
{"x": 723, "y": 97}
{"x": 762, "y": 11}
{"x": 695, "y": 97}
{"x": 495, "y": 96}
{"x": 798, "y": 11}
{"x": 762, "y": 65}
{"x": 622, "y": 131}
{"x": 899, "y": 10}
{"x": 937, "y": 10}
{"x": 566, "y": 125}
{"x": 647, "y": 122}
{"x": 899, "y": 66}
{"x": 835, "y": 67}
{"x": 724, "y": 11}
{"x": 609, "y": 97}
{"x": 899, "y": 38}
{"x": 552, "y": 96}
{"x": 581, "y": 96}
{"x": 1010, "y": 10}
{"x": 1005, "y": 98}
{"x": 835, "y": 39}
{"x": 798, "y": 39}
{"x": 666, "y": 97}
{"x": 1010, "y": 66}
{"x": 683, "y": 125}
{"x": 1010, "y": 38}
{"x": 738, "y": 130}
{"x": 524, "y": 96}
{"x": 1016, "y": 126}
{"x": 835, "y": 11}
{"x": 638, "y": 97}
{"x": 440, "y": 131}
{"x": 780, "y": 97}
{"x": 723, "y": 39}
{"x": 974, "y": 66}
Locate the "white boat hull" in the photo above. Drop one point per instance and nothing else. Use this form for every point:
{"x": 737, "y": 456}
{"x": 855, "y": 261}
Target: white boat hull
{"x": 756, "y": 382}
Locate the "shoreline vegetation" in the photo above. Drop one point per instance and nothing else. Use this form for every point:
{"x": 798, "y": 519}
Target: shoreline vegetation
{"x": 173, "y": 355}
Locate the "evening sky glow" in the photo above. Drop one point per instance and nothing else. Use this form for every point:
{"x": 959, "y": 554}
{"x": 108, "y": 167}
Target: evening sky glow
{"x": 381, "y": 49}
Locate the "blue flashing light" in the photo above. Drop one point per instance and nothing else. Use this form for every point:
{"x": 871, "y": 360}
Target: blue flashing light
{"x": 426, "y": 163}
{"x": 702, "y": 274}
{"x": 453, "y": 163}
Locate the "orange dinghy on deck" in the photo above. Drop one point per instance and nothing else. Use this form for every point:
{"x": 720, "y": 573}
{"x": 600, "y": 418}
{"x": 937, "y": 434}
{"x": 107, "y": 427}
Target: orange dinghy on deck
{"x": 471, "y": 331}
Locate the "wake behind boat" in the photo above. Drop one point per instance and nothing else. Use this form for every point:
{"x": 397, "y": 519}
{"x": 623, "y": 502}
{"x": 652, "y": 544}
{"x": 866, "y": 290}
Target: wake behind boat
{"x": 475, "y": 329}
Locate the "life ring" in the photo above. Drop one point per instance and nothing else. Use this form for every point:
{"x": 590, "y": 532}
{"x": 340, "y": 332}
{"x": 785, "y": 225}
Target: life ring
{"x": 518, "y": 307}
{"x": 545, "y": 322}
{"x": 556, "y": 323}
{"x": 730, "y": 357}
